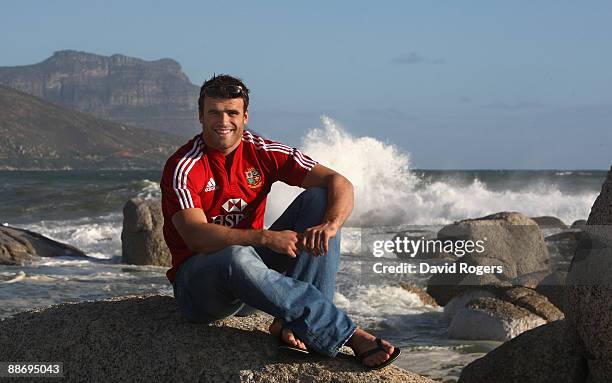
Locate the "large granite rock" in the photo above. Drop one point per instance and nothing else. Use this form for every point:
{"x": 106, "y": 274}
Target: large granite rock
{"x": 578, "y": 224}
{"x": 564, "y": 244}
{"x": 533, "y": 302}
{"x": 511, "y": 240}
{"x": 18, "y": 246}
{"x": 142, "y": 237}
{"x": 530, "y": 280}
{"x": 553, "y": 288}
{"x": 147, "y": 94}
{"x": 589, "y": 286}
{"x": 444, "y": 287}
{"x": 547, "y": 354}
{"x": 522, "y": 297}
{"x": 461, "y": 301}
{"x": 549, "y": 222}
{"x": 492, "y": 319}
{"x": 145, "y": 339}
{"x": 509, "y": 237}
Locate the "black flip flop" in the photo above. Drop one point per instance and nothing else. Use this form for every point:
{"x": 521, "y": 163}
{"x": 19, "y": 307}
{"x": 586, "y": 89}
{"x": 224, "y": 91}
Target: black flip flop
{"x": 373, "y": 351}
{"x": 284, "y": 346}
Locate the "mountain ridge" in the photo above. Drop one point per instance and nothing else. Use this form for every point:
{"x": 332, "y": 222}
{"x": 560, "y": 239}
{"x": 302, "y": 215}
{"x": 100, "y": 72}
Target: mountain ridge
{"x": 38, "y": 135}
{"x": 154, "y": 95}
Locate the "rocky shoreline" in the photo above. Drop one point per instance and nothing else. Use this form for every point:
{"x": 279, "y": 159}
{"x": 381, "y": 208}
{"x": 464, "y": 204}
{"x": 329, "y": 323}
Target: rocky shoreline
{"x": 555, "y": 319}
{"x": 579, "y": 348}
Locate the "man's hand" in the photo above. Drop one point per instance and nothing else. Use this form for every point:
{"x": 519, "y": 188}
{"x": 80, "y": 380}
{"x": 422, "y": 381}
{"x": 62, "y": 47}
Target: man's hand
{"x": 284, "y": 242}
{"x": 315, "y": 240}
{"x": 340, "y": 198}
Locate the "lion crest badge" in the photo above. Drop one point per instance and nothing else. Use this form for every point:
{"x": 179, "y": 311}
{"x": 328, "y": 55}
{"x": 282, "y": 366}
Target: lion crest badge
{"x": 253, "y": 178}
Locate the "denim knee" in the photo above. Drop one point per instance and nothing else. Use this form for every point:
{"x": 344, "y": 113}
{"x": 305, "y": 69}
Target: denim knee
{"x": 241, "y": 258}
{"x": 238, "y": 255}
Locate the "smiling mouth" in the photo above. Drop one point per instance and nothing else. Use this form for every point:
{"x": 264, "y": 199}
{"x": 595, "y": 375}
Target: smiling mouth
{"x": 224, "y": 132}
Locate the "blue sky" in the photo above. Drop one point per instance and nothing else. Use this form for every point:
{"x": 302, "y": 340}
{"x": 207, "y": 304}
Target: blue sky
{"x": 470, "y": 84}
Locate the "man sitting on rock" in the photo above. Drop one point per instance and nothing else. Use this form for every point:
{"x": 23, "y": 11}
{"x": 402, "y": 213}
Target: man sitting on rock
{"x": 214, "y": 191}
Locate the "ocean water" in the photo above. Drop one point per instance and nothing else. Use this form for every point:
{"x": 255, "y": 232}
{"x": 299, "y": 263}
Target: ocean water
{"x": 84, "y": 209}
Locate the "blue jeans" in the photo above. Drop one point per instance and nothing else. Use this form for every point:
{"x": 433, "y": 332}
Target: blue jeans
{"x": 297, "y": 290}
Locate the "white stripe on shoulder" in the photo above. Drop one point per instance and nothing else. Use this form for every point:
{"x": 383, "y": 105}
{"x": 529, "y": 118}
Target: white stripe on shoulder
{"x": 183, "y": 199}
{"x": 260, "y": 143}
{"x": 306, "y": 160}
{"x": 179, "y": 179}
{"x": 278, "y": 147}
{"x": 297, "y": 156}
{"x": 193, "y": 162}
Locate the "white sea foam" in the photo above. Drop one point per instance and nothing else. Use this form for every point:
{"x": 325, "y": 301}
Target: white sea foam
{"x": 98, "y": 237}
{"x": 14, "y": 278}
{"x": 388, "y": 192}
{"x": 60, "y": 261}
{"x": 380, "y": 303}
{"x": 150, "y": 190}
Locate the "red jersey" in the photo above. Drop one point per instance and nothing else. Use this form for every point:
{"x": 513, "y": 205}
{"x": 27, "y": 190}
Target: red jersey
{"x": 230, "y": 192}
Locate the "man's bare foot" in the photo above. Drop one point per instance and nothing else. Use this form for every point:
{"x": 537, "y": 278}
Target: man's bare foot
{"x": 287, "y": 335}
{"x": 362, "y": 341}
{"x": 275, "y": 327}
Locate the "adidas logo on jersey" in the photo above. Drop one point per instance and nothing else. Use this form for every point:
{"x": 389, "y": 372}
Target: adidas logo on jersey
{"x": 211, "y": 185}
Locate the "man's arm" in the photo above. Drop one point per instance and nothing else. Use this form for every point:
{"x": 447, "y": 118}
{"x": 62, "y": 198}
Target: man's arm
{"x": 203, "y": 237}
{"x": 340, "y": 201}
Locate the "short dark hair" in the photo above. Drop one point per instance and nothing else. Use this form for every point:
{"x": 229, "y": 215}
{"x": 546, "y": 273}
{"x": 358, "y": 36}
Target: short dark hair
{"x": 214, "y": 88}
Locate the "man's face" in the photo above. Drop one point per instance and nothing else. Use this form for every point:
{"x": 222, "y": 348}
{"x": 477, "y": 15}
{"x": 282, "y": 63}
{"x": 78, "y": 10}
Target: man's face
{"x": 223, "y": 121}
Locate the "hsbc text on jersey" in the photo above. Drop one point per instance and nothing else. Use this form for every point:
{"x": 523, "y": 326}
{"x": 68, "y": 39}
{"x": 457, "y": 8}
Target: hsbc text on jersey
{"x": 230, "y": 220}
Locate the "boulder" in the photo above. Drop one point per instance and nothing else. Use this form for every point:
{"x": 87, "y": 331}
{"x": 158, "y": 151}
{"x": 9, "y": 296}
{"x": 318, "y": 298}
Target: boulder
{"x": 492, "y": 319}
{"x": 460, "y": 301}
{"x": 553, "y": 288}
{"x": 589, "y": 286}
{"x": 564, "y": 244}
{"x": 530, "y": 280}
{"x": 142, "y": 237}
{"x": 534, "y": 302}
{"x": 444, "y": 287}
{"x": 578, "y": 224}
{"x": 547, "y": 354}
{"x": 511, "y": 240}
{"x": 19, "y": 246}
{"x": 146, "y": 339}
{"x": 523, "y": 297}
{"x": 548, "y": 222}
